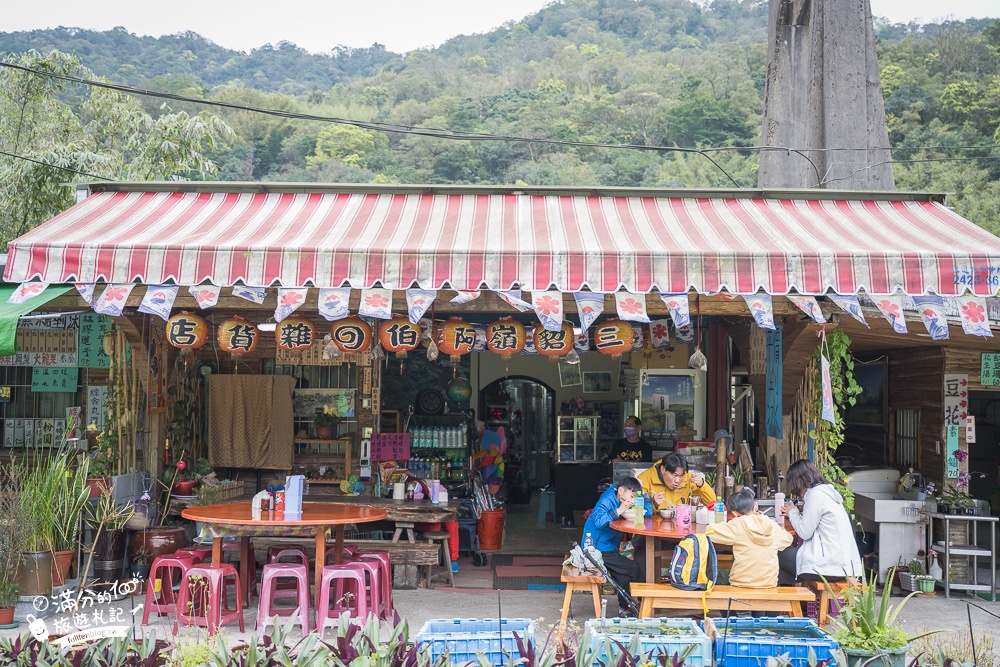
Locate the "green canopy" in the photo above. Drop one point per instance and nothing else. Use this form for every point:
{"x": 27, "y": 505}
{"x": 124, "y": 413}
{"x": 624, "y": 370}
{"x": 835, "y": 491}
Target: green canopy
{"x": 11, "y": 312}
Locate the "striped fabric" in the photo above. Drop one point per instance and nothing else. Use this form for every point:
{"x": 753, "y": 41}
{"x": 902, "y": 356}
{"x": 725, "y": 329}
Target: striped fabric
{"x": 508, "y": 241}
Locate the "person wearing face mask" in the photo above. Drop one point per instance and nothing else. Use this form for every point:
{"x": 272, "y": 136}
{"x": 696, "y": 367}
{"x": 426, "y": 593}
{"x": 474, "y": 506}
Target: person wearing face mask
{"x": 632, "y": 448}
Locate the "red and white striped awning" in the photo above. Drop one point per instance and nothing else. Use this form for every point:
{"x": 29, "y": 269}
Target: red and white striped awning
{"x": 504, "y": 241}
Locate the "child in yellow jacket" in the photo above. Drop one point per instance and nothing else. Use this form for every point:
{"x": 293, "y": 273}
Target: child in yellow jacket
{"x": 756, "y": 541}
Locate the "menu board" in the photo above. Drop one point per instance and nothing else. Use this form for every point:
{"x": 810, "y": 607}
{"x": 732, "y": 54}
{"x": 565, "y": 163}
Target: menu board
{"x": 390, "y": 446}
{"x": 93, "y": 328}
{"x": 44, "y": 378}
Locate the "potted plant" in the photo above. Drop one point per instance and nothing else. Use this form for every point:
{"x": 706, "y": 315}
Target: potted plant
{"x": 41, "y": 485}
{"x": 141, "y": 560}
{"x": 103, "y": 459}
{"x": 206, "y": 494}
{"x": 326, "y": 422}
{"x": 868, "y": 626}
{"x": 67, "y": 508}
{"x": 13, "y": 534}
{"x": 108, "y": 518}
{"x": 926, "y": 583}
{"x": 908, "y": 579}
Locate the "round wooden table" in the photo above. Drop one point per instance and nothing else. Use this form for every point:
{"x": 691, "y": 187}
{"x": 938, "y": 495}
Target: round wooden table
{"x": 317, "y": 519}
{"x": 664, "y": 529}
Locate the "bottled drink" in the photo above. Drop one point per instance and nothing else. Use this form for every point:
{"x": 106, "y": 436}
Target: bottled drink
{"x": 588, "y": 541}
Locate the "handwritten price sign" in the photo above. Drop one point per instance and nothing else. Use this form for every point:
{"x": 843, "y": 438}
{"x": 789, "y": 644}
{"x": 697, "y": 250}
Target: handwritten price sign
{"x": 390, "y": 446}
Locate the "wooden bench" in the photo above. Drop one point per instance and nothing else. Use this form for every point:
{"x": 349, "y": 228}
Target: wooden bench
{"x": 823, "y": 589}
{"x": 400, "y": 553}
{"x": 576, "y": 581}
{"x": 664, "y": 596}
{"x": 663, "y": 557}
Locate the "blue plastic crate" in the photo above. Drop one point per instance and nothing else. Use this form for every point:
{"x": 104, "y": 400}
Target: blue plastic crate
{"x": 770, "y": 638}
{"x": 624, "y": 630}
{"x": 463, "y": 638}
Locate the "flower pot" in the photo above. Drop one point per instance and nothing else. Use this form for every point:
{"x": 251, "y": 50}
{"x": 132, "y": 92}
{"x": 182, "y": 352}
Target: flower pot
{"x": 6, "y": 616}
{"x": 110, "y": 545}
{"x": 61, "y": 560}
{"x": 858, "y": 657}
{"x": 95, "y": 484}
{"x": 34, "y": 573}
{"x": 140, "y": 572}
{"x": 185, "y": 488}
{"x": 325, "y": 432}
{"x": 158, "y": 541}
{"x": 926, "y": 585}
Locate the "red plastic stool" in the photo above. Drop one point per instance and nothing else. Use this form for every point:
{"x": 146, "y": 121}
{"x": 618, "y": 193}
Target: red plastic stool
{"x": 234, "y": 548}
{"x": 286, "y": 589}
{"x": 372, "y": 568}
{"x": 199, "y": 554}
{"x": 209, "y": 596}
{"x": 345, "y": 575}
{"x": 385, "y": 571}
{"x": 163, "y": 570}
{"x": 269, "y": 592}
{"x": 331, "y": 553}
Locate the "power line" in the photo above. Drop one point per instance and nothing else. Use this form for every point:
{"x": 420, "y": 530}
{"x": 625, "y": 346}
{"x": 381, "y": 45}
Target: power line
{"x": 885, "y": 162}
{"x": 55, "y": 166}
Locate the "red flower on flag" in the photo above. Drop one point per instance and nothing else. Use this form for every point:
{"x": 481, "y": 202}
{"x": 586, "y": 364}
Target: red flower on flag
{"x": 659, "y": 331}
{"x": 673, "y": 304}
{"x": 973, "y": 312}
{"x": 930, "y": 313}
{"x": 889, "y": 307}
{"x": 587, "y": 310}
{"x": 631, "y": 306}
{"x": 115, "y": 293}
{"x": 418, "y": 302}
{"x": 32, "y": 289}
{"x": 376, "y": 301}
{"x": 290, "y": 298}
{"x": 546, "y": 305}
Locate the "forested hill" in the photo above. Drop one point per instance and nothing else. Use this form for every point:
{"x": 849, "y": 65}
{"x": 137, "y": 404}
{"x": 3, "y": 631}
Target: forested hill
{"x": 658, "y": 73}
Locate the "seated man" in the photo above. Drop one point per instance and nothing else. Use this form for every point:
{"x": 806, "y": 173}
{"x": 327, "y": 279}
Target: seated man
{"x": 669, "y": 483}
{"x": 756, "y": 541}
{"x": 610, "y": 506}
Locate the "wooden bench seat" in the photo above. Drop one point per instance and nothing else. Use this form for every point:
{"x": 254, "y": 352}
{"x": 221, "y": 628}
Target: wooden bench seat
{"x": 664, "y": 596}
{"x": 577, "y": 581}
{"x": 823, "y": 589}
{"x": 400, "y": 553}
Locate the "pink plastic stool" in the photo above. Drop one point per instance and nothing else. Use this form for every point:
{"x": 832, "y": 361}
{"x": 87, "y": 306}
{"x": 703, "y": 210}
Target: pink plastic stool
{"x": 286, "y": 589}
{"x": 199, "y": 554}
{"x": 331, "y": 553}
{"x": 234, "y": 548}
{"x": 372, "y": 568}
{"x": 385, "y": 571}
{"x": 346, "y": 575}
{"x": 163, "y": 570}
{"x": 269, "y": 592}
{"x": 209, "y": 584}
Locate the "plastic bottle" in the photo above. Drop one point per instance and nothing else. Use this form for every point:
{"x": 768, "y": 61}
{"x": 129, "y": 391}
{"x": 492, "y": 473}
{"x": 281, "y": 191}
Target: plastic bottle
{"x": 588, "y": 541}
{"x": 720, "y": 512}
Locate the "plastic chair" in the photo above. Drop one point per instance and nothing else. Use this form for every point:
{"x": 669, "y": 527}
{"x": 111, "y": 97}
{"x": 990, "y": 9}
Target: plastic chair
{"x": 385, "y": 571}
{"x": 203, "y": 589}
{"x": 162, "y": 572}
{"x": 345, "y": 575}
{"x": 269, "y": 592}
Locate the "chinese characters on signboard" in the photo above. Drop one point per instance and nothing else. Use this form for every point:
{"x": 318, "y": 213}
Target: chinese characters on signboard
{"x": 93, "y": 328}
{"x": 989, "y": 372}
{"x": 772, "y": 361}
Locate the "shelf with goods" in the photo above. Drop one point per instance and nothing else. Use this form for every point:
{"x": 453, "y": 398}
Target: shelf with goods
{"x": 578, "y": 438}
{"x": 311, "y": 454}
{"x": 439, "y": 449}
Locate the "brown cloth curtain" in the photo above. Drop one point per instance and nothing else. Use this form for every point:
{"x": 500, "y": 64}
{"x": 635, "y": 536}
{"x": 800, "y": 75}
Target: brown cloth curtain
{"x": 250, "y": 421}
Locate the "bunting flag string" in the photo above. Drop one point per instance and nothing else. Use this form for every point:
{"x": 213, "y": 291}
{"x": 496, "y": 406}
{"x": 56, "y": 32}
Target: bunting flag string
{"x": 27, "y": 291}
{"x": 631, "y": 307}
{"x": 86, "y": 291}
{"x": 809, "y": 306}
{"x": 659, "y": 333}
{"x": 113, "y": 299}
{"x": 289, "y": 300}
{"x": 549, "y": 308}
{"x": 417, "y": 303}
{"x": 376, "y": 303}
{"x": 827, "y": 412}
{"x": 158, "y": 300}
{"x": 975, "y": 317}
{"x": 581, "y": 342}
{"x": 684, "y": 335}
{"x": 677, "y": 305}
{"x": 465, "y": 296}
{"x": 254, "y": 294}
{"x": 761, "y": 309}
{"x": 513, "y": 298}
{"x": 589, "y": 306}
{"x": 849, "y": 304}
{"x": 333, "y": 303}
{"x": 931, "y": 310}
{"x": 891, "y": 307}
{"x": 206, "y": 295}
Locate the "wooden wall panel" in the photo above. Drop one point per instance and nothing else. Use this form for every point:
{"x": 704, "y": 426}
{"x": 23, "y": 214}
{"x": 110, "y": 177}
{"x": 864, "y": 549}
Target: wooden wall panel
{"x": 916, "y": 381}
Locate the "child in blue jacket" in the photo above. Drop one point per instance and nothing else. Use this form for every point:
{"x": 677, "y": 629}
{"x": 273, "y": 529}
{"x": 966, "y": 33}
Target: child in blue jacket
{"x": 612, "y": 504}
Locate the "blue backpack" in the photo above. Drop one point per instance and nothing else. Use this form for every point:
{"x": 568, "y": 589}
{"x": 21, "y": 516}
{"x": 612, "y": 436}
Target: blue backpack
{"x": 694, "y": 566}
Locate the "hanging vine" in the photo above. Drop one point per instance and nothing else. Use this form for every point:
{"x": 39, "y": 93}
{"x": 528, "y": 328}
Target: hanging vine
{"x": 184, "y": 407}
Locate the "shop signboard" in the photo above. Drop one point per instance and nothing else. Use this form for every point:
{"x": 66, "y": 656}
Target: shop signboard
{"x": 989, "y": 372}
{"x": 45, "y": 379}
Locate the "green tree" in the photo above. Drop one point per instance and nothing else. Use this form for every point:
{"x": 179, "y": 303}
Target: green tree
{"x": 45, "y": 140}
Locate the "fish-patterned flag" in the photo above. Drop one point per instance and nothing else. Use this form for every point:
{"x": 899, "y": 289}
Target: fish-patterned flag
{"x": 376, "y": 303}
{"x": 417, "y": 303}
{"x": 426, "y": 328}
{"x": 465, "y": 296}
{"x": 761, "y": 309}
{"x": 891, "y": 307}
{"x": 631, "y": 307}
{"x": 26, "y": 291}
{"x": 255, "y": 294}
{"x": 975, "y": 319}
{"x": 513, "y": 298}
{"x": 809, "y": 306}
{"x": 333, "y": 303}
{"x": 638, "y": 340}
{"x": 849, "y": 304}
{"x": 590, "y": 306}
{"x": 549, "y": 308}
{"x": 659, "y": 333}
{"x": 931, "y": 310}
{"x": 581, "y": 342}
{"x": 677, "y": 305}
{"x": 86, "y": 291}
{"x": 112, "y": 299}
{"x": 684, "y": 335}
{"x": 289, "y": 300}
{"x": 529, "y": 341}
{"x": 480, "y": 344}
{"x": 827, "y": 411}
{"x": 158, "y": 300}
{"x": 206, "y": 295}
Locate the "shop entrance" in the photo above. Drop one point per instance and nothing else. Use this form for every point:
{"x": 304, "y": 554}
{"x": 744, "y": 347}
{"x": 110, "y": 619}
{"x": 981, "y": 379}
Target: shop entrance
{"x": 984, "y": 453}
{"x": 525, "y": 408}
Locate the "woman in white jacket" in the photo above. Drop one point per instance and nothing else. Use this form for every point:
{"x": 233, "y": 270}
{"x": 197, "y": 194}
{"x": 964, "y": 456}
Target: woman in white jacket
{"x": 829, "y": 550}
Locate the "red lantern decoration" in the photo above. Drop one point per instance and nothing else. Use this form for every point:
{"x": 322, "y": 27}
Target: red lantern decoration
{"x": 187, "y": 331}
{"x": 351, "y": 334}
{"x": 295, "y": 334}
{"x": 455, "y": 338}
{"x": 399, "y": 335}
{"x": 554, "y": 344}
{"x": 237, "y": 335}
{"x": 506, "y": 337}
{"x": 613, "y": 337}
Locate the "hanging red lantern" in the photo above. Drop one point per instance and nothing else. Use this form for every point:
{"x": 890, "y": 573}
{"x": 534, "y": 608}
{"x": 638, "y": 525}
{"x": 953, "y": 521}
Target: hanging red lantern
{"x": 554, "y": 344}
{"x": 187, "y": 331}
{"x": 295, "y": 334}
{"x": 505, "y": 337}
{"x": 237, "y": 335}
{"x": 455, "y": 338}
{"x": 614, "y": 337}
{"x": 399, "y": 335}
{"x": 351, "y": 334}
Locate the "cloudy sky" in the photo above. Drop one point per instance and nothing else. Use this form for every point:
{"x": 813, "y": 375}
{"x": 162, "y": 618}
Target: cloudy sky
{"x": 401, "y": 25}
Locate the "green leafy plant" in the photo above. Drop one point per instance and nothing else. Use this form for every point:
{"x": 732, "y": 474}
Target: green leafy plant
{"x": 104, "y": 456}
{"x": 70, "y": 500}
{"x": 327, "y": 417}
{"x": 954, "y": 648}
{"x": 207, "y": 494}
{"x": 14, "y": 529}
{"x": 192, "y": 654}
{"x": 141, "y": 557}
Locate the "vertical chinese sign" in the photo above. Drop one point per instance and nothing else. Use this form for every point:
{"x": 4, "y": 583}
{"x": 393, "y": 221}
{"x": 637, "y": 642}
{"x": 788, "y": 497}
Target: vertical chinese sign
{"x": 989, "y": 370}
{"x": 772, "y": 421}
{"x": 956, "y": 404}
